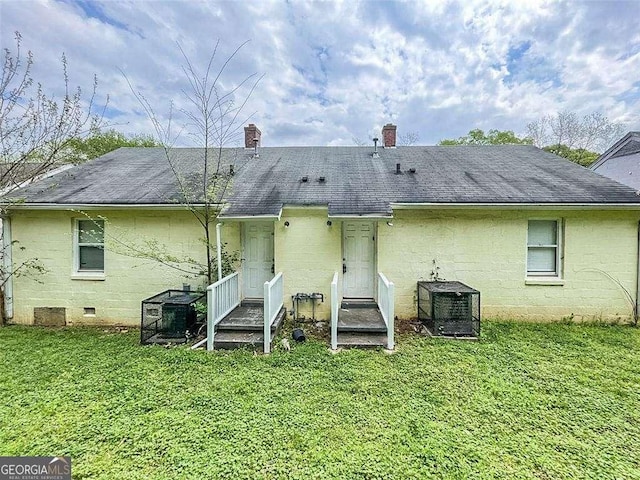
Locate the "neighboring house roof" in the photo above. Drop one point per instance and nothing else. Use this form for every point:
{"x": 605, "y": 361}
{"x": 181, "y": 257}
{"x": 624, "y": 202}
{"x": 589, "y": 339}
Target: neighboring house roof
{"x": 357, "y": 183}
{"x": 18, "y": 174}
{"x": 621, "y": 162}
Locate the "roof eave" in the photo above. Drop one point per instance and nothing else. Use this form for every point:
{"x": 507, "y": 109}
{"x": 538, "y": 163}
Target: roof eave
{"x": 520, "y": 206}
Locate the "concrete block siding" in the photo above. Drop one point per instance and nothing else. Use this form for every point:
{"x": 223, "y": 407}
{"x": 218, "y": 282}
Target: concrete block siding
{"x": 129, "y": 278}
{"x": 485, "y": 248}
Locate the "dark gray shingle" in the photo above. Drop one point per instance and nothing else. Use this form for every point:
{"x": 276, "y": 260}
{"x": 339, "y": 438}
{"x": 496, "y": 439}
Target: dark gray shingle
{"x": 356, "y": 182}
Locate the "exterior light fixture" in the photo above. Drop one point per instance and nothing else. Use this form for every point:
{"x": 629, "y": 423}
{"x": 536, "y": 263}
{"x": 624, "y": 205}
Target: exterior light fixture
{"x": 286, "y": 224}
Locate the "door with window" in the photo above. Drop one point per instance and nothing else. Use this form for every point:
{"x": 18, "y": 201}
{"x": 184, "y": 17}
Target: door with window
{"x": 358, "y": 252}
{"x": 258, "y": 257}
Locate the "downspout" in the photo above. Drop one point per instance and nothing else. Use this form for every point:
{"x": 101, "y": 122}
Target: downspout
{"x": 8, "y": 266}
{"x": 219, "y": 248}
{"x": 635, "y": 313}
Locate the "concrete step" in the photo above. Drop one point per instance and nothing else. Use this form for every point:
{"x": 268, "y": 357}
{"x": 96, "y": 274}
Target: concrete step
{"x": 350, "y": 303}
{"x": 364, "y": 320}
{"x": 361, "y": 340}
{"x": 248, "y": 319}
{"x": 252, "y": 302}
{"x": 230, "y": 340}
{"x": 253, "y": 338}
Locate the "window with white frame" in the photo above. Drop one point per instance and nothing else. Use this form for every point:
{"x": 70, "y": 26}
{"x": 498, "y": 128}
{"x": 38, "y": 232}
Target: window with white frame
{"x": 543, "y": 248}
{"x": 89, "y": 242}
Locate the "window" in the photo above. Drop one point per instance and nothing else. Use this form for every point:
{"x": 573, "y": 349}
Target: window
{"x": 89, "y": 254}
{"x": 543, "y": 252}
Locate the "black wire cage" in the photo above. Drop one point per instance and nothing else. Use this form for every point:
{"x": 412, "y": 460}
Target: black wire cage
{"x": 449, "y": 309}
{"x": 168, "y": 317}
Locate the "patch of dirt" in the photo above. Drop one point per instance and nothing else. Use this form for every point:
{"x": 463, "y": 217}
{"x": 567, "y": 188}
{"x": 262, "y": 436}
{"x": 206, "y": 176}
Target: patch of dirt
{"x": 412, "y": 325}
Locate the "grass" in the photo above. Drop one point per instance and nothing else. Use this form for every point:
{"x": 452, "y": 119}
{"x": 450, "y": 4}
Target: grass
{"x": 527, "y": 401}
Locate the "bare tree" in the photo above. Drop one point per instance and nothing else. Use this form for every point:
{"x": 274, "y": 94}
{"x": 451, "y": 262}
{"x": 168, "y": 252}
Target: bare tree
{"x": 594, "y": 132}
{"x": 408, "y": 139}
{"x": 36, "y": 130}
{"x": 358, "y": 141}
{"x": 214, "y": 119}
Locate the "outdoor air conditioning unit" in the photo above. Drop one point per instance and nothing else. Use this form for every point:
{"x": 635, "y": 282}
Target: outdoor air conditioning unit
{"x": 168, "y": 316}
{"x": 449, "y": 309}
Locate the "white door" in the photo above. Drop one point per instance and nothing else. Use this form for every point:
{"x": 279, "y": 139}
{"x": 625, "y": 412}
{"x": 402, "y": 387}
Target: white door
{"x": 258, "y": 258}
{"x": 358, "y": 251}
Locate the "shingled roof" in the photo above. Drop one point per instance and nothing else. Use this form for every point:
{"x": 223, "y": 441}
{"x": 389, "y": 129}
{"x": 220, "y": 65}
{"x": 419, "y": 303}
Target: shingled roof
{"x": 356, "y": 182}
{"x": 621, "y": 162}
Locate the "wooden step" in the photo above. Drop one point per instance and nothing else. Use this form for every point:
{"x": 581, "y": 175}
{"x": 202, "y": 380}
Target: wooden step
{"x": 361, "y": 340}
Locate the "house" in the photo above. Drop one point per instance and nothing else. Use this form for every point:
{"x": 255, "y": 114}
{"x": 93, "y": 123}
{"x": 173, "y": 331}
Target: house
{"x": 540, "y": 237}
{"x": 621, "y": 161}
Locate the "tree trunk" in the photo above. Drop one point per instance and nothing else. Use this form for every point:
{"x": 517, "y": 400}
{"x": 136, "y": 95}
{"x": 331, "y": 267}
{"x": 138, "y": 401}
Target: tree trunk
{"x": 3, "y": 313}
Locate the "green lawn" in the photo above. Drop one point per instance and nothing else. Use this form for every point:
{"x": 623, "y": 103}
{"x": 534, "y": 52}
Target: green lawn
{"x": 527, "y": 401}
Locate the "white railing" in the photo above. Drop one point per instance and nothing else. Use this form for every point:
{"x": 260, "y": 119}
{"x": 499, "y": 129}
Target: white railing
{"x": 335, "y": 302}
{"x": 273, "y": 302}
{"x": 385, "y": 303}
{"x": 222, "y": 297}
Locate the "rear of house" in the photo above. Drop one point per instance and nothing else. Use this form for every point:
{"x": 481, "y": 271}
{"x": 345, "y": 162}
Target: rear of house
{"x": 539, "y": 237}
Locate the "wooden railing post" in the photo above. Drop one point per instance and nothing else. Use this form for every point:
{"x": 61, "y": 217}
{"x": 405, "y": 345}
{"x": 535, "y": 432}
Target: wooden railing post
{"x": 210, "y": 316}
{"x": 267, "y": 324}
{"x": 334, "y": 312}
{"x": 222, "y": 297}
{"x": 386, "y": 292}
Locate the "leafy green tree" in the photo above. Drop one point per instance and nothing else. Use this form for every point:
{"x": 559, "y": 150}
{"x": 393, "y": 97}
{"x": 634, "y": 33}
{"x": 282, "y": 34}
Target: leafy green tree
{"x": 564, "y": 135}
{"x": 102, "y": 142}
{"x": 492, "y": 137}
{"x": 578, "y": 155}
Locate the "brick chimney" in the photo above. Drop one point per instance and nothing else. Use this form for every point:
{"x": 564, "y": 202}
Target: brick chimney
{"x": 250, "y": 133}
{"x": 389, "y": 135}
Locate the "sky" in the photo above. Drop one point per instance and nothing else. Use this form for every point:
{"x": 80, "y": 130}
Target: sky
{"x": 333, "y": 73}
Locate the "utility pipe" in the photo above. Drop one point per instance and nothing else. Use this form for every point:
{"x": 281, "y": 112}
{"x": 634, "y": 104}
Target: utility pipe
{"x": 219, "y": 248}
{"x": 8, "y": 266}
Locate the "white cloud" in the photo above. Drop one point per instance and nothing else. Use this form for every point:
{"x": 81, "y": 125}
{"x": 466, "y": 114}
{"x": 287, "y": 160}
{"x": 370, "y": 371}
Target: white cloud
{"x": 338, "y": 70}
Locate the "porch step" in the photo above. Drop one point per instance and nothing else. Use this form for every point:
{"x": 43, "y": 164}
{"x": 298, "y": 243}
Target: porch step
{"x": 243, "y": 331}
{"x": 252, "y": 302}
{"x": 361, "y": 340}
{"x": 250, "y": 318}
{"x": 361, "y": 320}
{"x": 350, "y": 303}
{"x": 229, "y": 340}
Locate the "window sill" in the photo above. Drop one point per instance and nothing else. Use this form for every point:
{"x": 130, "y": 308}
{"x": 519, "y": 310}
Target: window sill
{"x": 550, "y": 281}
{"x": 97, "y": 276}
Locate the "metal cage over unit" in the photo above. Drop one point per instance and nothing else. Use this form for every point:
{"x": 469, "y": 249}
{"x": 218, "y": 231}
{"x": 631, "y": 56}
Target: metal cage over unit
{"x": 449, "y": 309}
{"x": 168, "y": 316}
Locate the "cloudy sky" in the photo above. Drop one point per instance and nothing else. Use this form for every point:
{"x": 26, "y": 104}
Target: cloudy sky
{"x": 335, "y": 71}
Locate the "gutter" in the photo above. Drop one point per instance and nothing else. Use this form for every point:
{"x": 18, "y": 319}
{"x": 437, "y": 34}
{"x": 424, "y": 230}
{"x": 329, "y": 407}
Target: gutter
{"x": 518, "y": 206}
{"x": 251, "y": 217}
{"x": 101, "y": 206}
{"x": 372, "y": 216}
